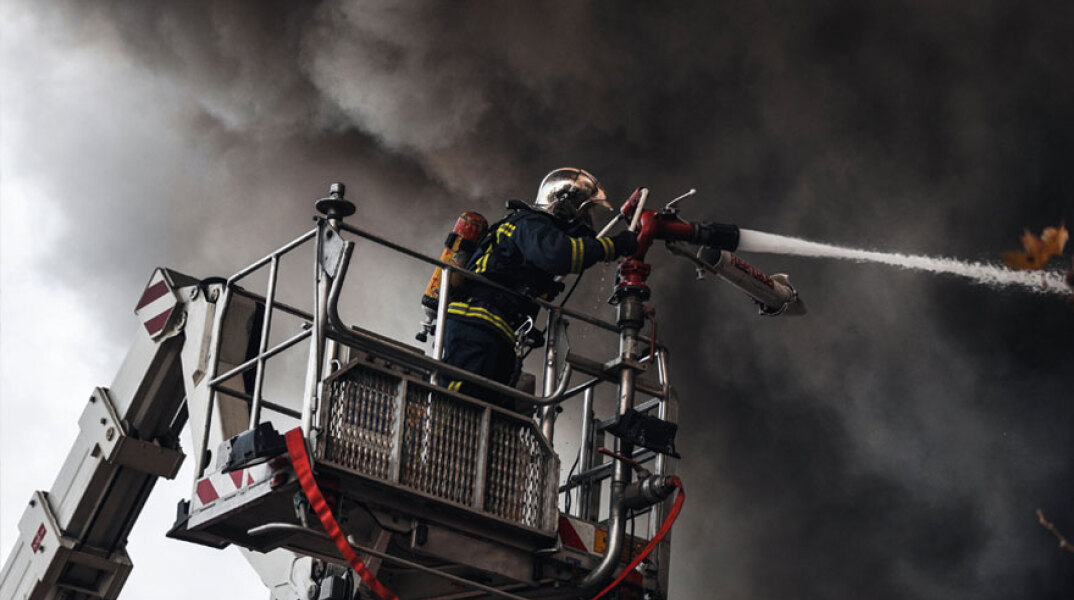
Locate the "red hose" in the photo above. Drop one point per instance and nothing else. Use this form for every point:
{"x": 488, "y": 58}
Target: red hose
{"x": 664, "y": 529}
{"x": 296, "y": 447}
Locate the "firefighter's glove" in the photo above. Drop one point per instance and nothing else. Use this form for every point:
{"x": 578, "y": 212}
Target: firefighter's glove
{"x": 625, "y": 242}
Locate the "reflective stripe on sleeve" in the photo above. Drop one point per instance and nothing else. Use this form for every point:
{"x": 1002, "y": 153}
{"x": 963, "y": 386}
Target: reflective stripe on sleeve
{"x": 609, "y": 247}
{"x": 577, "y": 255}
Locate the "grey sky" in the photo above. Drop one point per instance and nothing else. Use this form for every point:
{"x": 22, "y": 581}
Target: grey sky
{"x": 894, "y": 443}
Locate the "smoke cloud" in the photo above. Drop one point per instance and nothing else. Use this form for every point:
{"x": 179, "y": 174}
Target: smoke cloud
{"x": 893, "y": 443}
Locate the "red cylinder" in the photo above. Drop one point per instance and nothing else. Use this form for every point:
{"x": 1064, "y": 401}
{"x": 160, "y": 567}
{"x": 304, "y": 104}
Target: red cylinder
{"x": 458, "y": 247}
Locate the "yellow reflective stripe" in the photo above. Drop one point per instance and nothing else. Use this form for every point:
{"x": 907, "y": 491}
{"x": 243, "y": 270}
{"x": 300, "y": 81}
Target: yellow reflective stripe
{"x": 504, "y": 230}
{"x": 465, "y": 310}
{"x": 495, "y": 319}
{"x": 482, "y": 263}
{"x": 454, "y": 385}
{"x": 577, "y": 255}
{"x": 609, "y": 247}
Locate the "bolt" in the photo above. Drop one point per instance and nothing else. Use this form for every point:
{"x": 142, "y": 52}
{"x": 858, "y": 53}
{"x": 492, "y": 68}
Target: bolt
{"x": 215, "y": 294}
{"x": 194, "y": 292}
{"x": 110, "y": 433}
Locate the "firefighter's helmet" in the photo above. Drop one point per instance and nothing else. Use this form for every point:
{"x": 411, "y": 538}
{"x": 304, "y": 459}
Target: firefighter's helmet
{"x": 570, "y": 194}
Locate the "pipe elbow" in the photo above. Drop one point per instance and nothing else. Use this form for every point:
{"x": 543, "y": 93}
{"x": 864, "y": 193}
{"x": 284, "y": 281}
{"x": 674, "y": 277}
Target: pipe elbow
{"x": 605, "y": 571}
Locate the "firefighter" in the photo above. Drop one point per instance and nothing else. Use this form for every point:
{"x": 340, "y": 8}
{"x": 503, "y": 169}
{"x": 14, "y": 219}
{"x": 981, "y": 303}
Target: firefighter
{"x": 525, "y": 252}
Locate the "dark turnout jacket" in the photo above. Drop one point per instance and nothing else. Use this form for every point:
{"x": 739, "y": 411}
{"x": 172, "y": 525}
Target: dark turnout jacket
{"x": 524, "y": 252}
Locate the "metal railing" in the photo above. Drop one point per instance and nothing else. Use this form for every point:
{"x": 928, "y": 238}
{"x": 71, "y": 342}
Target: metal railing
{"x": 268, "y": 301}
{"x": 375, "y": 443}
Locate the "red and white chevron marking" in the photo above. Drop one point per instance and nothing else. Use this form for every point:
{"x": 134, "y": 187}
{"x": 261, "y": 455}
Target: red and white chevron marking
{"x": 157, "y": 304}
{"x": 577, "y": 534}
{"x": 212, "y": 487}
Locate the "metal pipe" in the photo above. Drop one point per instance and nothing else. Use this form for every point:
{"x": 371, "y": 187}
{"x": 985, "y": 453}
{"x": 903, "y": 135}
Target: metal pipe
{"x": 330, "y": 349}
{"x": 638, "y": 210}
{"x": 284, "y": 345}
{"x": 280, "y": 306}
{"x": 266, "y": 328}
{"x": 214, "y": 365}
{"x": 593, "y": 368}
{"x": 668, "y": 411}
{"x": 603, "y": 232}
{"x": 441, "y": 314}
{"x": 774, "y": 295}
{"x": 603, "y": 471}
{"x": 602, "y": 574}
{"x": 247, "y": 398}
{"x": 630, "y": 320}
{"x": 279, "y": 252}
{"x": 585, "y": 447}
{"x": 583, "y": 387}
{"x": 548, "y": 413}
{"x": 660, "y": 466}
{"x": 362, "y": 339}
{"x": 313, "y": 369}
{"x": 578, "y": 389}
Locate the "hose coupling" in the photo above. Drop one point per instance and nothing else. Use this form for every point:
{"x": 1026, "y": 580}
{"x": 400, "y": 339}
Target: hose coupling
{"x": 648, "y": 491}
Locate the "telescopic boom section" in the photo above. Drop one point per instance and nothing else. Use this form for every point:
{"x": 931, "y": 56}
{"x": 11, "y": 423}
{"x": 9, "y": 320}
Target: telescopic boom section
{"x": 72, "y": 539}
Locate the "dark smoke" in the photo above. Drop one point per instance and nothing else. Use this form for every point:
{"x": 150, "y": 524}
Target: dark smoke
{"x": 894, "y": 443}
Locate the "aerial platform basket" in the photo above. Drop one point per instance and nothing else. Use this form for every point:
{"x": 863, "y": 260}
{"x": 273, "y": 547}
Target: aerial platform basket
{"x": 440, "y": 492}
{"x": 394, "y": 439}
{"x": 443, "y": 496}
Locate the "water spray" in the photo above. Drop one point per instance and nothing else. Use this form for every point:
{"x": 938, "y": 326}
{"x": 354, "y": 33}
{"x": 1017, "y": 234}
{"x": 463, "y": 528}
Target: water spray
{"x": 1041, "y": 282}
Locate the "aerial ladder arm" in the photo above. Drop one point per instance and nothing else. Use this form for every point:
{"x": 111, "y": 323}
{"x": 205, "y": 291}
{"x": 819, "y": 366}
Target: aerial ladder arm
{"x": 72, "y": 538}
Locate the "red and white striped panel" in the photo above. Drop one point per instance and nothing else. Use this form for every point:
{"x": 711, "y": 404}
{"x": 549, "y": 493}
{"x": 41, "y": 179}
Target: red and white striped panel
{"x": 577, "y": 534}
{"x": 157, "y": 304}
{"x": 212, "y": 487}
{"x": 585, "y": 536}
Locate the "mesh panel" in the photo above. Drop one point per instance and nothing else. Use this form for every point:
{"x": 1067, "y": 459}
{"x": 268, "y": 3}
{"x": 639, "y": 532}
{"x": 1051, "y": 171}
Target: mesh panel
{"x": 362, "y": 422}
{"x": 438, "y": 447}
{"x": 517, "y": 472}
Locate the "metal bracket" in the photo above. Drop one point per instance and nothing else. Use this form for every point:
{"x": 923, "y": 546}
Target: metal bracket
{"x": 617, "y": 364}
{"x": 116, "y": 446}
{"x": 49, "y": 558}
{"x": 332, "y": 247}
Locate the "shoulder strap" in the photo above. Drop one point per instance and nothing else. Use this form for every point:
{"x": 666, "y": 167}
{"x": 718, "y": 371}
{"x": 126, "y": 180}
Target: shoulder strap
{"x": 515, "y": 206}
